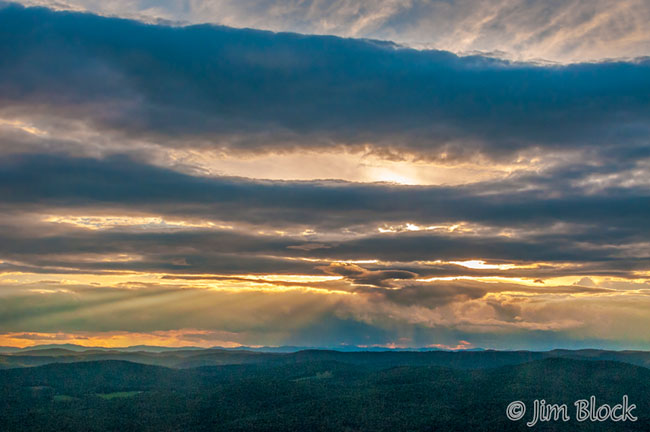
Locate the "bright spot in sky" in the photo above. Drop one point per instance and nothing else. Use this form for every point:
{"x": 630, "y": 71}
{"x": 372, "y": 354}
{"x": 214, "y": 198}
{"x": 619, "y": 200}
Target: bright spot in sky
{"x": 482, "y": 265}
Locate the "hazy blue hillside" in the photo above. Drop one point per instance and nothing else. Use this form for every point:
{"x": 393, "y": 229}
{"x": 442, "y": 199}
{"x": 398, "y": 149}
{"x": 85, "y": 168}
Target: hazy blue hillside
{"x": 194, "y": 357}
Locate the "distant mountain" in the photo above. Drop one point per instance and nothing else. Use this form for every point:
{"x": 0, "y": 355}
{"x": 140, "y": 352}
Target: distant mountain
{"x": 82, "y": 348}
{"x": 341, "y": 348}
{"x": 68, "y": 347}
{"x": 152, "y": 348}
{"x": 195, "y": 357}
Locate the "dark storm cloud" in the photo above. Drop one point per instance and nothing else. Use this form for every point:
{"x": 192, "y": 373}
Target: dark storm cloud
{"x": 432, "y": 295}
{"x": 253, "y": 90}
{"x": 361, "y": 276}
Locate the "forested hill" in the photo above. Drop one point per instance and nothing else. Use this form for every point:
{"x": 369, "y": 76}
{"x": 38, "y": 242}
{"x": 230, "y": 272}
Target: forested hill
{"x": 311, "y": 395}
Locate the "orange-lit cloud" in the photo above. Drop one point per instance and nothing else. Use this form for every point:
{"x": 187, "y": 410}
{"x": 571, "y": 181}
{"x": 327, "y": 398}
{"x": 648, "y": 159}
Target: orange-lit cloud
{"x": 170, "y": 338}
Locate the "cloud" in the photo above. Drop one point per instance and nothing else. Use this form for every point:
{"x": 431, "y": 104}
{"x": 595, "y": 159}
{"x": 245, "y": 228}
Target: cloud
{"x": 373, "y": 278}
{"x": 536, "y": 205}
{"x": 416, "y": 314}
{"x": 572, "y": 30}
{"x": 253, "y": 91}
{"x": 435, "y": 294}
{"x": 111, "y": 223}
{"x": 558, "y": 232}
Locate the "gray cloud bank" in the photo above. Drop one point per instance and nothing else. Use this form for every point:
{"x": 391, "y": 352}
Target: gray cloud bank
{"x": 559, "y": 30}
{"x": 246, "y": 90}
{"x": 604, "y": 232}
{"x": 118, "y": 182}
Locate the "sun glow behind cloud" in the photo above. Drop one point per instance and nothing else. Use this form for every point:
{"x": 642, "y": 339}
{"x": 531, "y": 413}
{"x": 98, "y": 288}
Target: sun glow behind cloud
{"x": 22, "y": 126}
{"x": 411, "y": 198}
{"x": 482, "y": 265}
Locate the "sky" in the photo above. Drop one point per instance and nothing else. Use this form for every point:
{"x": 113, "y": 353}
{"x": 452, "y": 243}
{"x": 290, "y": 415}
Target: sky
{"x": 325, "y": 173}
